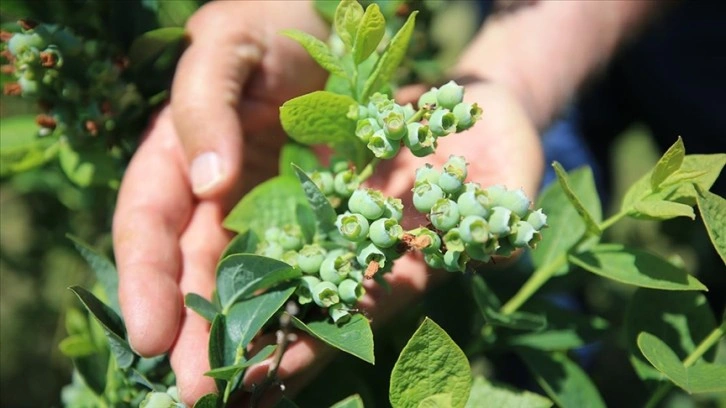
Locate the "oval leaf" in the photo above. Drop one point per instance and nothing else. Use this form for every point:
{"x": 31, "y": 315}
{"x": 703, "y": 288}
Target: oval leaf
{"x": 713, "y": 212}
{"x": 104, "y": 270}
{"x": 668, "y": 164}
{"x": 346, "y": 19}
{"x": 318, "y": 50}
{"x": 318, "y": 117}
{"x": 354, "y": 337}
{"x": 661, "y": 210}
{"x": 244, "y": 243}
{"x": 430, "y": 364}
{"x": 369, "y": 34}
{"x": 151, "y": 45}
{"x": 635, "y": 267}
{"x": 202, "y": 306}
{"x": 591, "y": 224}
{"x": 485, "y": 394}
{"x": 324, "y": 212}
{"x": 229, "y": 372}
{"x": 354, "y": 401}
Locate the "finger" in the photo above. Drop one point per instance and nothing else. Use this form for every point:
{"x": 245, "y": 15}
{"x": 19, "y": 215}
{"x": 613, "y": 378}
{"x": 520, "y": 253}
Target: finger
{"x": 201, "y": 243}
{"x": 206, "y": 94}
{"x": 154, "y": 204}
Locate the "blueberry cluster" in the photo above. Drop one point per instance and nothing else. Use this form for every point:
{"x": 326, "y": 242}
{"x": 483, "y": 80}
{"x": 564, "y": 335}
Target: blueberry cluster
{"x": 383, "y": 125}
{"x": 331, "y": 278}
{"x": 337, "y": 183}
{"x": 470, "y": 222}
{"x": 77, "y": 81}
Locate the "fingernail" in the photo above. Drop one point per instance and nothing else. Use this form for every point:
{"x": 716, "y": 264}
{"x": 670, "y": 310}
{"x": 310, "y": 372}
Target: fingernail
{"x": 206, "y": 172}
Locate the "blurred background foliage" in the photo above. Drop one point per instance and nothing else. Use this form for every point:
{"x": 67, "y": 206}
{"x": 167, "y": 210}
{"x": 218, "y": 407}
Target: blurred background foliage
{"x": 38, "y": 263}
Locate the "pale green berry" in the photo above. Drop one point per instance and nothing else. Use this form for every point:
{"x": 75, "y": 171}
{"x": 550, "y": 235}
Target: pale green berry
{"x": 408, "y": 111}
{"x": 356, "y": 275}
{"x": 394, "y": 208}
{"x": 496, "y": 195}
{"x": 339, "y": 164}
{"x": 394, "y": 123}
{"x": 368, "y": 252}
{"x": 335, "y": 266}
{"x": 382, "y": 147}
{"x": 323, "y": 180}
{"x": 442, "y": 122}
{"x": 419, "y": 137}
{"x": 377, "y": 104}
{"x": 291, "y": 237}
{"x": 424, "y": 151}
{"x": 352, "y": 226}
{"x": 339, "y": 313}
{"x": 449, "y": 95}
{"x": 434, "y": 260}
{"x": 385, "y": 232}
{"x": 272, "y": 234}
{"x": 365, "y": 128}
{"x": 270, "y": 249}
{"x": 345, "y": 183}
{"x": 305, "y": 290}
{"x": 456, "y": 165}
{"x": 522, "y": 234}
{"x": 350, "y": 291}
{"x": 473, "y": 203}
{"x": 455, "y": 261}
{"x": 426, "y": 174}
{"x": 425, "y": 195}
{"x": 426, "y": 241}
{"x": 466, "y": 115}
{"x": 325, "y": 294}
{"x": 450, "y": 183}
{"x": 537, "y": 219}
{"x": 310, "y": 258}
{"x": 290, "y": 258}
{"x": 499, "y": 221}
{"x": 428, "y": 99}
{"x": 367, "y": 202}
{"x": 515, "y": 200}
{"x": 474, "y": 229}
{"x": 453, "y": 240}
{"x": 357, "y": 112}
{"x": 472, "y": 186}
{"x": 21, "y": 42}
{"x": 444, "y": 215}
{"x": 158, "y": 400}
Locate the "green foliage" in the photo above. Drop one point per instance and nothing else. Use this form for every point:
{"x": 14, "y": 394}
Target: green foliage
{"x": 354, "y": 337}
{"x": 484, "y": 393}
{"x": 713, "y": 213}
{"x": 318, "y": 117}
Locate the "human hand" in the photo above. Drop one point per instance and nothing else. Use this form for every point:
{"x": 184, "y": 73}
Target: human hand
{"x": 194, "y": 163}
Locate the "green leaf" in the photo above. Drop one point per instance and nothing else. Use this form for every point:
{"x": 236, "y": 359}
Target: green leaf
{"x": 430, "y": 363}
{"x": 307, "y": 222}
{"x": 244, "y": 243}
{"x": 354, "y": 401}
{"x": 390, "y": 59}
{"x": 89, "y": 167}
{"x": 77, "y": 345}
{"x": 318, "y": 117}
{"x": 369, "y": 34}
{"x": 324, "y": 212}
{"x": 566, "y": 227}
{"x": 326, "y": 9}
{"x": 318, "y": 50}
{"x": 18, "y": 131}
{"x": 202, "y": 306}
{"x": 699, "y": 169}
{"x": 175, "y": 13}
{"x": 209, "y": 401}
{"x": 301, "y": 155}
{"x": 20, "y": 147}
{"x": 635, "y": 267}
{"x": 436, "y": 401}
{"x": 93, "y": 370}
{"x": 112, "y": 324}
{"x": 668, "y": 164}
{"x": 713, "y": 212}
{"x": 591, "y": 224}
{"x": 661, "y": 210}
{"x": 229, "y": 372}
{"x": 346, "y": 20}
{"x": 680, "y": 319}
{"x": 489, "y": 306}
{"x": 148, "y": 47}
{"x": 353, "y": 337}
{"x": 218, "y": 344}
{"x": 563, "y": 380}
{"x": 700, "y": 378}
{"x": 103, "y": 268}
{"x": 486, "y": 394}
{"x": 240, "y": 275}
{"x": 271, "y": 203}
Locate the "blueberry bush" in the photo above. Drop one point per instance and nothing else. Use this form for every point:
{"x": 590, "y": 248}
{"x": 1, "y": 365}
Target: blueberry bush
{"x": 312, "y": 238}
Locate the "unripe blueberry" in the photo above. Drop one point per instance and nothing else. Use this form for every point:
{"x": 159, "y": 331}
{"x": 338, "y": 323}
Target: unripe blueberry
{"x": 385, "y": 232}
{"x": 444, "y": 214}
{"x": 305, "y": 290}
{"x": 369, "y": 252}
{"x": 537, "y": 219}
{"x": 323, "y": 180}
{"x": 424, "y": 151}
{"x": 450, "y": 183}
{"x": 357, "y": 112}
{"x": 310, "y": 258}
{"x": 345, "y": 183}
{"x": 377, "y": 104}
{"x": 350, "y": 291}
{"x": 516, "y": 201}
{"x": 472, "y": 186}
{"x": 496, "y": 195}
{"x": 394, "y": 123}
{"x": 367, "y": 202}
{"x": 450, "y": 94}
{"x": 156, "y": 399}
{"x": 474, "y": 229}
{"x": 426, "y": 174}
{"x": 455, "y": 261}
{"x": 352, "y": 226}
{"x": 428, "y": 98}
{"x": 522, "y": 234}
{"x": 394, "y": 208}
{"x": 418, "y": 136}
{"x": 365, "y": 128}
{"x": 466, "y": 115}
{"x": 425, "y": 195}
{"x": 478, "y": 252}
{"x": 473, "y": 203}
{"x": 339, "y": 164}
{"x": 356, "y": 274}
{"x": 383, "y": 147}
{"x": 272, "y": 234}
{"x": 29, "y": 87}
{"x": 290, "y": 258}
{"x": 270, "y": 249}
{"x": 453, "y": 240}
{"x": 426, "y": 240}
{"x": 442, "y": 122}
{"x": 499, "y": 221}
{"x": 325, "y": 294}
{"x": 335, "y": 266}
{"x": 456, "y": 165}
{"x": 339, "y": 313}
{"x": 21, "y": 42}
{"x": 434, "y": 260}
{"x": 291, "y": 237}
{"x": 408, "y": 111}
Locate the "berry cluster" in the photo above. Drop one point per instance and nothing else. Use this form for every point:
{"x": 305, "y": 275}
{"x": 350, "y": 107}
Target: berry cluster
{"x": 383, "y": 125}
{"x": 470, "y": 222}
{"x": 77, "y": 82}
{"x": 337, "y": 183}
{"x": 331, "y": 278}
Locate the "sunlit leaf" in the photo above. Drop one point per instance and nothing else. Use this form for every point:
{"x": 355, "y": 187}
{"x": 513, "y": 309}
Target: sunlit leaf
{"x": 353, "y": 337}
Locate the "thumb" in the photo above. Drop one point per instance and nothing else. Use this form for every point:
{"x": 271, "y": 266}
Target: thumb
{"x": 206, "y": 94}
